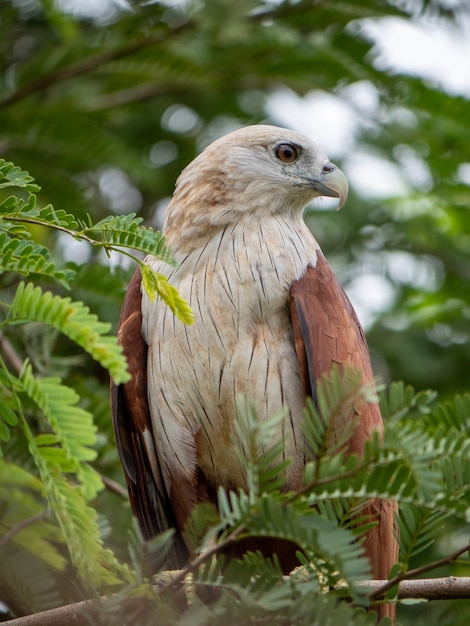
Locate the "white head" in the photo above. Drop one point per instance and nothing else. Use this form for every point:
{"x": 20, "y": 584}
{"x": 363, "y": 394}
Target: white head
{"x": 254, "y": 170}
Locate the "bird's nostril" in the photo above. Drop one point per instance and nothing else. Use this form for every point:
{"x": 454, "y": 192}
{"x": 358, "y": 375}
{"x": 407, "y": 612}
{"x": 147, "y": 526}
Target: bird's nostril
{"x": 328, "y": 167}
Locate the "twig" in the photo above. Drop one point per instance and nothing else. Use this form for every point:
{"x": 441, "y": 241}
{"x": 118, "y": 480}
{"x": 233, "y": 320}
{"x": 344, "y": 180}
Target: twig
{"x": 413, "y": 573}
{"x": 114, "y": 487}
{"x": 23, "y": 524}
{"x": 11, "y": 354}
{"x": 194, "y": 565}
{"x": 134, "y": 94}
{"x": 322, "y": 482}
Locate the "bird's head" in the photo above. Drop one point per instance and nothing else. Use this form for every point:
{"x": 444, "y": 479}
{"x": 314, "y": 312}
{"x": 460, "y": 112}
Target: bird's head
{"x": 256, "y": 170}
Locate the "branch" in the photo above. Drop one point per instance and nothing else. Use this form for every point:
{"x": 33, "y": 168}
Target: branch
{"x": 79, "y": 613}
{"x": 194, "y": 565}
{"x": 134, "y": 94}
{"x": 450, "y": 588}
{"x": 43, "y": 83}
{"x": 11, "y": 355}
{"x": 79, "y": 235}
{"x": 23, "y": 524}
{"x": 114, "y": 487}
{"x": 321, "y": 482}
{"x": 413, "y": 573}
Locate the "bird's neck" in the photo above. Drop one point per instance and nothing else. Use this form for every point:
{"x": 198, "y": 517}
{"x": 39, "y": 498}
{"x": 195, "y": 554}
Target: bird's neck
{"x": 189, "y": 226}
{"x": 278, "y": 243}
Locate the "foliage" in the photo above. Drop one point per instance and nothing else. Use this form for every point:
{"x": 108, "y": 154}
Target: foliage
{"x": 105, "y": 110}
{"x": 62, "y": 444}
{"x": 253, "y": 589}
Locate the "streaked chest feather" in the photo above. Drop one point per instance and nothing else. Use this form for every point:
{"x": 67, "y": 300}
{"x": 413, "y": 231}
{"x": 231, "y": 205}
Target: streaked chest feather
{"x": 241, "y": 344}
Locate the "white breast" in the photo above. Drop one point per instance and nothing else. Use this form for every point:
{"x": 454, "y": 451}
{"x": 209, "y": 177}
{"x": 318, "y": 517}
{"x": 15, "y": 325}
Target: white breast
{"x": 241, "y": 344}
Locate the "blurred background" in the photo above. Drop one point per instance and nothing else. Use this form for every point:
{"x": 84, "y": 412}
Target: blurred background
{"x": 105, "y": 101}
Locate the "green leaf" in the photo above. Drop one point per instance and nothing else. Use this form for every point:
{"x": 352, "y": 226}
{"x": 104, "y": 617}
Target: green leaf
{"x": 125, "y": 231}
{"x": 399, "y": 400}
{"x": 12, "y": 176}
{"x": 8, "y": 415}
{"x": 48, "y": 216}
{"x": 73, "y": 428}
{"x": 156, "y": 284}
{"x": 96, "y": 565}
{"x": 328, "y": 424}
{"x": 25, "y": 257}
{"x": 265, "y": 463}
{"x": 149, "y": 557}
{"x": 75, "y": 321}
{"x": 23, "y": 491}
{"x": 419, "y": 529}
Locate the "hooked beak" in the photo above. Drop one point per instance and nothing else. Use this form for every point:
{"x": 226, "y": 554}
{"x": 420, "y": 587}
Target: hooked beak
{"x": 331, "y": 183}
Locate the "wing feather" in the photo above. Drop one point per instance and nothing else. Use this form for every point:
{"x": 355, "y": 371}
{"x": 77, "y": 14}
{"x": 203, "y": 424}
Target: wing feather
{"x": 133, "y": 430}
{"x": 327, "y": 331}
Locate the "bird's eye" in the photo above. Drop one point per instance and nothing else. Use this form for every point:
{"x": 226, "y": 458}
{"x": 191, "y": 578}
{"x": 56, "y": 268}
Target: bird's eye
{"x": 286, "y": 152}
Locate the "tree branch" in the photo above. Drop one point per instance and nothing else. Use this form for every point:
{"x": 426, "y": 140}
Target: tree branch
{"x": 450, "y": 588}
{"x": 413, "y": 573}
{"x": 43, "y": 83}
{"x": 79, "y": 613}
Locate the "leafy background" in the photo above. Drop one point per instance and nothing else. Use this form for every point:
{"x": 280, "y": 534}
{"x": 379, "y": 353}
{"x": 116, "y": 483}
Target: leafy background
{"x": 105, "y": 109}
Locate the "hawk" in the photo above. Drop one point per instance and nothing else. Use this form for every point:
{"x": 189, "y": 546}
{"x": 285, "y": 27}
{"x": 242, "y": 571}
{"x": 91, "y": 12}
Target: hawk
{"x": 270, "y": 319}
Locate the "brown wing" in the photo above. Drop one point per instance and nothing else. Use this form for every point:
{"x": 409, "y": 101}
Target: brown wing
{"x": 133, "y": 430}
{"x": 327, "y": 331}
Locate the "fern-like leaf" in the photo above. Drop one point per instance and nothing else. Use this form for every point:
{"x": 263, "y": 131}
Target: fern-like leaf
{"x": 75, "y": 321}
{"x": 329, "y": 423}
{"x": 27, "y": 211}
{"x": 96, "y": 565}
{"x": 156, "y": 284}
{"x": 26, "y": 257}
{"x": 149, "y": 557}
{"x": 452, "y": 414}
{"x": 78, "y": 521}
{"x": 259, "y": 449}
{"x": 419, "y": 528}
{"x": 23, "y": 492}
{"x": 333, "y": 548}
{"x": 12, "y": 176}
{"x": 125, "y": 231}
{"x": 8, "y": 418}
{"x": 74, "y": 434}
{"x": 48, "y": 216}
{"x": 399, "y": 400}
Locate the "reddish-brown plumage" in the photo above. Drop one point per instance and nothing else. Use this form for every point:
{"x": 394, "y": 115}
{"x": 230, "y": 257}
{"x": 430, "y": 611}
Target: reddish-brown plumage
{"x": 327, "y": 332}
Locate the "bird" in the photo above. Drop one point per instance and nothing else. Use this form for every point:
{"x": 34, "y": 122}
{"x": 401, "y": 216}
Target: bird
{"x": 270, "y": 319}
